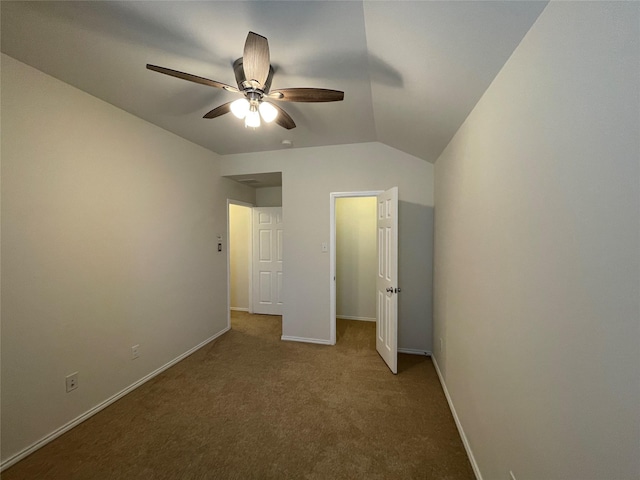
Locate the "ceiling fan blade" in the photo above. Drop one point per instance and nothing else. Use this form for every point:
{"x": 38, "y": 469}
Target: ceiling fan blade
{"x": 192, "y": 78}
{"x": 283, "y": 119}
{"x": 221, "y": 110}
{"x": 255, "y": 59}
{"x": 306, "y": 95}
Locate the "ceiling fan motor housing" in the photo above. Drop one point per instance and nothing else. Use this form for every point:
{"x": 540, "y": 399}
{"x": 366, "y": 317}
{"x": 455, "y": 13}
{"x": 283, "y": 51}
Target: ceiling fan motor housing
{"x": 246, "y": 86}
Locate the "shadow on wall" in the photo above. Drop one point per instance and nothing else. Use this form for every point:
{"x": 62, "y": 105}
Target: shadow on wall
{"x": 415, "y": 276}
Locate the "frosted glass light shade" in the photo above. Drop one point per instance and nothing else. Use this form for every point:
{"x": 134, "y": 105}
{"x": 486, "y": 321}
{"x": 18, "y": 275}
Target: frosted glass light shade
{"x": 252, "y": 119}
{"x": 268, "y": 112}
{"x": 240, "y": 107}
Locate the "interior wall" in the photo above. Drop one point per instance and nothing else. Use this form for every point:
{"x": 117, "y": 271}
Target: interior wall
{"x": 537, "y": 258}
{"x": 239, "y": 259}
{"x": 109, "y": 227}
{"x": 356, "y": 258}
{"x": 309, "y": 175}
{"x": 269, "y": 197}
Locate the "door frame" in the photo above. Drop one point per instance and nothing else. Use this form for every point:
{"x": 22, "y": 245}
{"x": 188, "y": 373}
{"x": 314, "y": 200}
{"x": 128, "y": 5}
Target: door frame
{"x": 231, "y": 201}
{"x": 333, "y": 196}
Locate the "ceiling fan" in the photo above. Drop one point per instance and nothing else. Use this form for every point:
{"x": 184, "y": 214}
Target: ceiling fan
{"x": 254, "y": 73}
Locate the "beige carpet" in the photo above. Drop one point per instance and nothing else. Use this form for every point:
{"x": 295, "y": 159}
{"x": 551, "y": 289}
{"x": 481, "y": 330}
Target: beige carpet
{"x": 250, "y": 406}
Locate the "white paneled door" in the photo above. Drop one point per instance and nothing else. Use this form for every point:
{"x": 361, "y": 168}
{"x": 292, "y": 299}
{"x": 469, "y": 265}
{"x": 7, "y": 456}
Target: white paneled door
{"x": 387, "y": 278}
{"x": 267, "y": 260}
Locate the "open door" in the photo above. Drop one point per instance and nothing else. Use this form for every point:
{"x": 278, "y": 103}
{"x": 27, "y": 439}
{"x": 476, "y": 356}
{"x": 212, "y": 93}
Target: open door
{"x": 387, "y": 278}
{"x": 267, "y": 260}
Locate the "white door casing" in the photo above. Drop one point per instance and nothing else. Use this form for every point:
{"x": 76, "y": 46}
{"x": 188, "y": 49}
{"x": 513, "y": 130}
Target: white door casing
{"x": 387, "y": 278}
{"x": 267, "y": 260}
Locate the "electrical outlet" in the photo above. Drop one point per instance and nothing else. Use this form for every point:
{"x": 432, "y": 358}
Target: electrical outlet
{"x": 71, "y": 381}
{"x": 135, "y": 352}
{"x": 513, "y": 477}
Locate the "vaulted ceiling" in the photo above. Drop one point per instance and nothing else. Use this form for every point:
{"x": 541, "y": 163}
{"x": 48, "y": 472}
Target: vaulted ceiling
{"x": 411, "y": 71}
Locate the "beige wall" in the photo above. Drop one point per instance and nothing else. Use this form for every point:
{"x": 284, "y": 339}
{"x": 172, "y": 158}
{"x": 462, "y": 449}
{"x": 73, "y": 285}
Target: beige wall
{"x": 109, "y": 229}
{"x": 240, "y": 251}
{"x": 309, "y": 175}
{"x": 269, "y": 197}
{"x": 356, "y": 258}
{"x": 537, "y": 253}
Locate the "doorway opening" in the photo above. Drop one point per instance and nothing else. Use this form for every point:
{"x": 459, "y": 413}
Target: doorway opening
{"x": 254, "y": 256}
{"x": 239, "y": 251}
{"x": 353, "y": 259}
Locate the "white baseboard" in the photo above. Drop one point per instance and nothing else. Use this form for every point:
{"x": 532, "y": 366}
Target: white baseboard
{"x": 101, "y": 406}
{"x": 363, "y": 319}
{"x": 414, "y": 351}
{"x": 305, "y": 340}
{"x": 239, "y": 309}
{"x": 465, "y": 442}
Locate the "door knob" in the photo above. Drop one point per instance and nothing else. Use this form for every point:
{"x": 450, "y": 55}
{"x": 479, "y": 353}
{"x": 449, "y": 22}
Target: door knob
{"x": 390, "y": 289}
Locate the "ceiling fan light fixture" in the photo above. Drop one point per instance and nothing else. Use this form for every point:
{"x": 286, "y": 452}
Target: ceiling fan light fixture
{"x": 254, "y": 72}
{"x": 268, "y": 112}
{"x": 252, "y": 119}
{"x": 240, "y": 107}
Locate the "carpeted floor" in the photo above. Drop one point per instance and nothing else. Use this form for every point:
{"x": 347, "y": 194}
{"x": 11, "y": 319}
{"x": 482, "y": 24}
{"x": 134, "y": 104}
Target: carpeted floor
{"x": 250, "y": 406}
